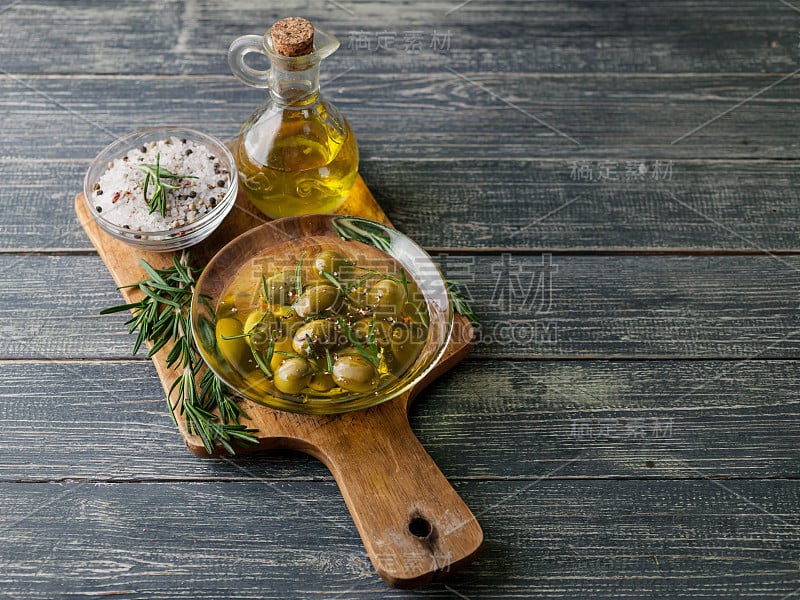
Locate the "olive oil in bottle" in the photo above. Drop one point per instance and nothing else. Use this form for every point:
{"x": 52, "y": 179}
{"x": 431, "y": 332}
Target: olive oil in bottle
{"x": 296, "y": 154}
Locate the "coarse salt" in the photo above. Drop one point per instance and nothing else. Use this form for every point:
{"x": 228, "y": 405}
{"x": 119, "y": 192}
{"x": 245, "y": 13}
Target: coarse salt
{"x": 118, "y": 195}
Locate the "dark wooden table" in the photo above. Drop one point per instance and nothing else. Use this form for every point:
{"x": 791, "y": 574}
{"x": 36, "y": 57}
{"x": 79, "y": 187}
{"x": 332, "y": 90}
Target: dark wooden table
{"x": 614, "y": 182}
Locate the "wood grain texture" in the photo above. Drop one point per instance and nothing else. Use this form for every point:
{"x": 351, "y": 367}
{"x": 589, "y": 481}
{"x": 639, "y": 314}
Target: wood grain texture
{"x": 584, "y": 456}
{"x": 400, "y": 501}
{"x": 724, "y": 307}
{"x": 731, "y": 206}
{"x": 443, "y": 115}
{"x": 191, "y": 36}
{"x": 553, "y": 539}
{"x": 628, "y": 419}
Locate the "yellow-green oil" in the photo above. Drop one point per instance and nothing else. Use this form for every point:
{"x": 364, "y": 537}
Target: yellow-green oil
{"x": 298, "y": 160}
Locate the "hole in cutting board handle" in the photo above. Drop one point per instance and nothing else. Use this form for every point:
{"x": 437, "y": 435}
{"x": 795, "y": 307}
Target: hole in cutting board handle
{"x": 419, "y": 527}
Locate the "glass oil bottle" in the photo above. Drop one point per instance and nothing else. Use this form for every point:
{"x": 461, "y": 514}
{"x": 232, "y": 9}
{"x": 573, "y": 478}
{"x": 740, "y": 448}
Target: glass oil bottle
{"x": 296, "y": 154}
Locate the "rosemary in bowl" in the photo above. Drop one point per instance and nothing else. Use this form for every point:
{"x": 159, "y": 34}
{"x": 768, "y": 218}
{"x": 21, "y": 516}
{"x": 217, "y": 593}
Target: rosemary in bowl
{"x": 210, "y": 409}
{"x": 161, "y": 188}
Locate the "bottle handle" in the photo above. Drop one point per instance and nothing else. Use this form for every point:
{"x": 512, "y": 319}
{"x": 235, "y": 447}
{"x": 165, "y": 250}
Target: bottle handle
{"x": 241, "y": 47}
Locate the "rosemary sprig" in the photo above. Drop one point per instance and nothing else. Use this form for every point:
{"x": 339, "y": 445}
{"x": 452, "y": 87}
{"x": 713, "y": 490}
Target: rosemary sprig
{"x": 265, "y": 290}
{"x": 162, "y": 316}
{"x": 161, "y": 178}
{"x": 373, "y": 235}
{"x": 369, "y": 352}
{"x": 264, "y": 364}
{"x": 298, "y": 285}
{"x": 362, "y": 231}
{"x": 298, "y": 275}
{"x": 460, "y": 303}
{"x": 335, "y": 283}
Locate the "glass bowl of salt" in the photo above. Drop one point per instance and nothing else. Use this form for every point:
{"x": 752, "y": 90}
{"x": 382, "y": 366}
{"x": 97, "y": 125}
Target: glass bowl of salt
{"x": 161, "y": 188}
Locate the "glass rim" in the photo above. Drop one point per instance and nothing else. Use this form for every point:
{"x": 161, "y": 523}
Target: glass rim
{"x": 354, "y": 401}
{"x": 111, "y": 150}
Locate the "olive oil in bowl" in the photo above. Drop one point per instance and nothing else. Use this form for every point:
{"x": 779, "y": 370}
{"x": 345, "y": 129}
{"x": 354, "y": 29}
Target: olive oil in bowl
{"x": 321, "y": 314}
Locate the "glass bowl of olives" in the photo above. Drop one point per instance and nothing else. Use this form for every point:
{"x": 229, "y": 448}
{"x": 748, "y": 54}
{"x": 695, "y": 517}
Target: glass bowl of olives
{"x": 321, "y": 314}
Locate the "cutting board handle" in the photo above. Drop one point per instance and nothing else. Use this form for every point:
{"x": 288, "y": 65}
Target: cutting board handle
{"x": 414, "y": 525}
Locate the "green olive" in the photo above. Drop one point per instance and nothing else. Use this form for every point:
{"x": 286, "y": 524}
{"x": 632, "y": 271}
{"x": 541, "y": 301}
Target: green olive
{"x": 280, "y": 287}
{"x": 290, "y": 325}
{"x": 321, "y": 332}
{"x": 281, "y": 345}
{"x": 331, "y": 262}
{"x": 386, "y": 297}
{"x": 354, "y": 374}
{"x": 322, "y": 382}
{"x": 381, "y": 330}
{"x": 234, "y": 304}
{"x": 414, "y": 313}
{"x": 233, "y": 351}
{"x": 292, "y": 376}
{"x": 253, "y": 318}
{"x": 407, "y": 343}
{"x": 347, "y": 351}
{"x": 261, "y": 325}
{"x": 315, "y": 300}
{"x": 287, "y": 320}
{"x": 281, "y": 310}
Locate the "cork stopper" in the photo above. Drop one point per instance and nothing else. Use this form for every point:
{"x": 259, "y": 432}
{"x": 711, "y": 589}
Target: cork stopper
{"x": 293, "y": 36}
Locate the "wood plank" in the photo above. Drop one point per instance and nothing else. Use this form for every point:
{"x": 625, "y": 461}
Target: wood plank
{"x": 437, "y": 115}
{"x": 470, "y": 204}
{"x": 554, "y": 540}
{"x": 732, "y": 307}
{"x": 149, "y": 36}
{"x": 596, "y": 419}
{"x": 412, "y": 487}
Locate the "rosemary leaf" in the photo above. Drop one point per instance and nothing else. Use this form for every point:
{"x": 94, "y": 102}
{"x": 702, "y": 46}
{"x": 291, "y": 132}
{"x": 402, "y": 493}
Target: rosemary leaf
{"x": 160, "y": 177}
{"x": 364, "y": 352}
{"x": 298, "y": 277}
{"x": 161, "y": 318}
{"x": 460, "y": 303}
{"x": 264, "y": 366}
{"x": 265, "y": 289}
{"x": 335, "y": 282}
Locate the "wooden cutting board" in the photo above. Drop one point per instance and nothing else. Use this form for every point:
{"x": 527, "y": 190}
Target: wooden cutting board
{"x": 415, "y": 527}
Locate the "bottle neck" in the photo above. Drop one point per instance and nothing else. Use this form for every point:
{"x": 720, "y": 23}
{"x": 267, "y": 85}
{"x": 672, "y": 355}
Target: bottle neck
{"x": 294, "y": 87}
